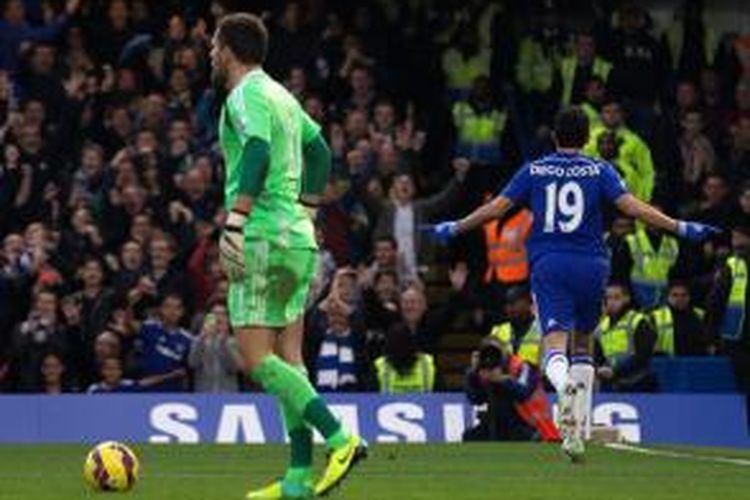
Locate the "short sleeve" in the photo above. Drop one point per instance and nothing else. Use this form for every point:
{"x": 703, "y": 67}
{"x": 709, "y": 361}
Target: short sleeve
{"x": 309, "y": 127}
{"x": 613, "y": 186}
{"x": 249, "y": 114}
{"x": 519, "y": 187}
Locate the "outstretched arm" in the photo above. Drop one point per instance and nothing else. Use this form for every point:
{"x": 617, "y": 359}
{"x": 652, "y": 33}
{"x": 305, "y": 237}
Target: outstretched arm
{"x": 517, "y": 191}
{"x": 633, "y": 207}
{"x": 638, "y": 209}
{"x": 493, "y": 209}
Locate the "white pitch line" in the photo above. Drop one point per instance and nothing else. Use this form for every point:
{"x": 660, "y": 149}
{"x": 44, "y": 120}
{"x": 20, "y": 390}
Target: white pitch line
{"x": 677, "y": 454}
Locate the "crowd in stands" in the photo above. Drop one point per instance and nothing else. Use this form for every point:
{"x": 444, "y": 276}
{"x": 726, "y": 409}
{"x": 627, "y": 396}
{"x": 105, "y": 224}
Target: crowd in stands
{"x": 111, "y": 184}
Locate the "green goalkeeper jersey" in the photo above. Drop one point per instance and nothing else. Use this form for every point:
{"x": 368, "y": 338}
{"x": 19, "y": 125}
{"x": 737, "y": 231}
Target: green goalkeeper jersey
{"x": 259, "y": 107}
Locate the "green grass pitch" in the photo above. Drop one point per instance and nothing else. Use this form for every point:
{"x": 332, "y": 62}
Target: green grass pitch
{"x": 429, "y": 472}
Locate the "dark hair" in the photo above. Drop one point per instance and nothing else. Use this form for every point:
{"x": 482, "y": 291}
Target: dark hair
{"x": 571, "y": 128}
{"x": 621, "y": 285}
{"x": 388, "y": 239}
{"x": 171, "y": 295}
{"x": 245, "y": 35}
{"x": 490, "y": 356}
{"x": 679, "y": 282}
{"x": 383, "y": 273}
{"x": 400, "y": 348}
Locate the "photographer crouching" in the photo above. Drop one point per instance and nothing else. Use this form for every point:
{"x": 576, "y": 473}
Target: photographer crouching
{"x": 511, "y": 392}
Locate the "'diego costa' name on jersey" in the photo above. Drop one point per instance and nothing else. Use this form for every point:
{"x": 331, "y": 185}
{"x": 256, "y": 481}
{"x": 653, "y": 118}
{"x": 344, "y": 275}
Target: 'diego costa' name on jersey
{"x": 586, "y": 170}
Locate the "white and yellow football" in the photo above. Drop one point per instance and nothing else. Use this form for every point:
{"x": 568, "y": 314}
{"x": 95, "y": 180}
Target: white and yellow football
{"x": 111, "y": 466}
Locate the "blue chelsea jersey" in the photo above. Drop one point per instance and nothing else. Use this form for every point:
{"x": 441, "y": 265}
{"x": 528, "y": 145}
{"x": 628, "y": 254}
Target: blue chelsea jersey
{"x": 567, "y": 194}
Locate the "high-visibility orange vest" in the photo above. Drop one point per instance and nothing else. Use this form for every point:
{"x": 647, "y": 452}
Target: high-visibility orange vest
{"x": 507, "y": 260}
{"x": 535, "y": 411}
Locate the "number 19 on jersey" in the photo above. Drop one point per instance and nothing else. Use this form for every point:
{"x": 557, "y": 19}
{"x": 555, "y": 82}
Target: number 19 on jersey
{"x": 564, "y": 207}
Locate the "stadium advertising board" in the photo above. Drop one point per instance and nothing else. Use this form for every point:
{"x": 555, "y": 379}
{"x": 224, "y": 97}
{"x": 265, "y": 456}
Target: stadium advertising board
{"x": 715, "y": 420}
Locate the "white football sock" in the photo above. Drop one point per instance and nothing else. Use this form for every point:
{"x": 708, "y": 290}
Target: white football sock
{"x": 556, "y": 369}
{"x": 582, "y": 373}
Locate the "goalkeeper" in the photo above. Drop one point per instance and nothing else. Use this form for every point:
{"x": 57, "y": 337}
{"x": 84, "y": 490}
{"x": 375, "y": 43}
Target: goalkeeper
{"x": 268, "y": 247}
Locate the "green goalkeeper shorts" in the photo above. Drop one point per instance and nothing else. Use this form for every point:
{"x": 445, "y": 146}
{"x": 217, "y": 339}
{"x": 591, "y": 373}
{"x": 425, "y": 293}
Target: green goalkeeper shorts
{"x": 274, "y": 290}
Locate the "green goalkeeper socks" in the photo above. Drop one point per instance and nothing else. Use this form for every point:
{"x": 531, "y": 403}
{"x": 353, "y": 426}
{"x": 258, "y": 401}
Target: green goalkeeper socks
{"x": 318, "y": 414}
{"x": 300, "y": 441}
{"x": 297, "y": 395}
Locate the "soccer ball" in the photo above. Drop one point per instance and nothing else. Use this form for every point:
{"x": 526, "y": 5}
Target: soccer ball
{"x": 111, "y": 466}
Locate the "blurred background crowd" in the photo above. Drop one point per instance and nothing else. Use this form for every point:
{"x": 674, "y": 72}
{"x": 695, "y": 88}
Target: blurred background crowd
{"x": 111, "y": 187}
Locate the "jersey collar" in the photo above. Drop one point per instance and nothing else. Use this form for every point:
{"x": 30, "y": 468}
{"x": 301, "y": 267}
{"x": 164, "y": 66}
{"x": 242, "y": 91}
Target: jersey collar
{"x": 254, "y": 73}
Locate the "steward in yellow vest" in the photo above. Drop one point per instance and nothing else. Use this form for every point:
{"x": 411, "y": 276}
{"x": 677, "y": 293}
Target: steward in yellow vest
{"x": 594, "y": 93}
{"x": 419, "y": 377}
{"x": 690, "y": 22}
{"x": 577, "y": 69}
{"x": 520, "y": 335}
{"x": 464, "y": 61}
{"x": 402, "y": 368}
{"x": 727, "y": 308}
{"x": 479, "y": 125}
{"x": 652, "y": 256}
{"x": 679, "y": 326}
{"x": 625, "y": 342}
{"x": 632, "y": 149}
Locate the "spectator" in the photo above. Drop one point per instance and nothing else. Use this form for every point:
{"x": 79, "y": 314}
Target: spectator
{"x": 679, "y": 326}
{"x": 163, "y": 347}
{"x": 691, "y": 40}
{"x": 644, "y": 259}
{"x": 403, "y": 368}
{"x": 381, "y": 302}
{"x": 608, "y": 148}
{"x": 336, "y": 345}
{"x": 594, "y": 94}
{"x": 15, "y": 31}
{"x": 96, "y": 300}
{"x": 214, "y": 356}
{"x": 624, "y": 344}
{"x": 291, "y": 42}
{"x": 716, "y": 207}
{"x": 727, "y": 305}
{"x": 40, "y": 333}
{"x": 576, "y": 70}
{"x": 696, "y": 152}
{"x": 521, "y": 335}
{"x": 111, "y": 380}
{"x": 539, "y": 53}
{"x": 106, "y": 345}
{"x": 116, "y": 33}
{"x": 633, "y": 150}
{"x": 639, "y": 66}
{"x": 739, "y": 150}
{"x": 162, "y": 275}
{"x": 386, "y": 257}
{"x": 53, "y": 375}
{"x": 427, "y": 325}
{"x": 507, "y": 258}
{"x": 130, "y": 266}
{"x": 517, "y": 407}
{"x": 479, "y": 125}
{"x": 403, "y": 214}
{"x": 464, "y": 61}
